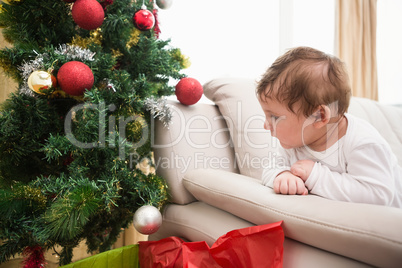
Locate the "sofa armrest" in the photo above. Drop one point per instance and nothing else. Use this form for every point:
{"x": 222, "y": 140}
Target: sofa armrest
{"x": 197, "y": 138}
{"x": 368, "y": 233}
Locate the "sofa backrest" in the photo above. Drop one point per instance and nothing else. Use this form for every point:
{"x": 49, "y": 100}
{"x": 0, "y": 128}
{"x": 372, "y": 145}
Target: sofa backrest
{"x": 237, "y": 102}
{"x": 386, "y": 119}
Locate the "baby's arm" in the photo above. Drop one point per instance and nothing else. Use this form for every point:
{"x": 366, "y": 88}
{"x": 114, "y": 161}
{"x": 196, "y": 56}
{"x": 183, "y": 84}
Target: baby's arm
{"x": 302, "y": 168}
{"x": 287, "y": 183}
{"x": 369, "y": 177}
{"x": 280, "y": 178}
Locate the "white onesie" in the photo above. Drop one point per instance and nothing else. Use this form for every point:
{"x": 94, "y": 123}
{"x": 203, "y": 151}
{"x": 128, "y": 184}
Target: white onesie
{"x": 360, "y": 167}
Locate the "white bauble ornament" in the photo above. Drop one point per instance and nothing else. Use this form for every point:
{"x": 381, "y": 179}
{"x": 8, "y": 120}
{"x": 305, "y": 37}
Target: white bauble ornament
{"x": 147, "y": 220}
{"x": 164, "y": 4}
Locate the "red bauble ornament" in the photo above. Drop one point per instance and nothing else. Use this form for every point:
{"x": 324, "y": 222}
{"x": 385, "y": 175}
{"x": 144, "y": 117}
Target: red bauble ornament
{"x": 88, "y": 14}
{"x": 74, "y": 77}
{"x": 189, "y": 91}
{"x": 144, "y": 19}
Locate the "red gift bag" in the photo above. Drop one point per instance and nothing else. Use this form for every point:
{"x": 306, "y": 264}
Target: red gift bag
{"x": 197, "y": 254}
{"x": 160, "y": 254}
{"x": 256, "y": 246}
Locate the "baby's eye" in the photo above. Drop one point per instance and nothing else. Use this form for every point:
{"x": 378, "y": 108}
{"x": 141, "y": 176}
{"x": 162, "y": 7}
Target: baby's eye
{"x": 274, "y": 117}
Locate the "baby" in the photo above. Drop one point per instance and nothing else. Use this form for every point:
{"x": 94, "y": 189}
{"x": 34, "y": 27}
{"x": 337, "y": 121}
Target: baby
{"x": 325, "y": 151}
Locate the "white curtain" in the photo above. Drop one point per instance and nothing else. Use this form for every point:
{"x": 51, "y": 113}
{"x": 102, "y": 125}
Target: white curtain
{"x": 356, "y": 44}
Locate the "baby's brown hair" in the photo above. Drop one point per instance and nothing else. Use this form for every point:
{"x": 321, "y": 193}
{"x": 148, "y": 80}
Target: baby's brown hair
{"x": 310, "y": 76}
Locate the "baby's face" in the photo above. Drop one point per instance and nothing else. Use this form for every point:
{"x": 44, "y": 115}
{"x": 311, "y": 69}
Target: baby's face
{"x": 291, "y": 130}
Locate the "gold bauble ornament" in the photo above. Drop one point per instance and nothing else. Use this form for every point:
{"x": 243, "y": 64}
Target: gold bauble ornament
{"x": 39, "y": 81}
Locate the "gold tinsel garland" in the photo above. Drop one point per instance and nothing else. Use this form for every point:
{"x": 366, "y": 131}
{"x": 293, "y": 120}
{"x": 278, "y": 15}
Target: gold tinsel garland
{"x": 25, "y": 192}
{"x": 183, "y": 60}
{"x": 135, "y": 128}
{"x": 95, "y": 38}
{"x": 134, "y": 38}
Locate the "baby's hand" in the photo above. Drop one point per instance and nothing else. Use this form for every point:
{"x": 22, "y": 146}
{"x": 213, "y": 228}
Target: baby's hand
{"x": 287, "y": 183}
{"x": 302, "y": 169}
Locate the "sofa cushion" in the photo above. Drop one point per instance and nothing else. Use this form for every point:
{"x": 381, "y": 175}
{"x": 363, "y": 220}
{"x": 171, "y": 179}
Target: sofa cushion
{"x": 367, "y": 233}
{"x": 254, "y": 146}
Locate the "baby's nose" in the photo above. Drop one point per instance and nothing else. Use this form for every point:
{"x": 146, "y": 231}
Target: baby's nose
{"x": 267, "y": 126}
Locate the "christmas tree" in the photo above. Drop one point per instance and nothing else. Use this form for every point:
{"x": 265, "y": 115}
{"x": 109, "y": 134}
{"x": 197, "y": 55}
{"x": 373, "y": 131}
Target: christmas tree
{"x": 91, "y": 76}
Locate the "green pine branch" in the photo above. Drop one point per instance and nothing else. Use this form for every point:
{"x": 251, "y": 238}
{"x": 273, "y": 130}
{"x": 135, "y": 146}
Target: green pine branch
{"x": 67, "y": 215}
{"x": 41, "y": 22}
{"x": 53, "y": 190}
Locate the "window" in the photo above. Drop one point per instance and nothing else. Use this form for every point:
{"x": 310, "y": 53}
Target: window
{"x": 389, "y": 51}
{"x": 242, "y": 38}
{"x": 223, "y": 38}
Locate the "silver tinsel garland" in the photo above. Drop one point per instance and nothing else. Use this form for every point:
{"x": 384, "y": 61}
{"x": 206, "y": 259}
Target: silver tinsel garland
{"x": 75, "y": 53}
{"x": 159, "y": 109}
{"x": 27, "y": 68}
{"x": 70, "y": 51}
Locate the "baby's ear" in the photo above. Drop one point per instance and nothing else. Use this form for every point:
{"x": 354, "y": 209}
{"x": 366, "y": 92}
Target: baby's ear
{"x": 322, "y": 116}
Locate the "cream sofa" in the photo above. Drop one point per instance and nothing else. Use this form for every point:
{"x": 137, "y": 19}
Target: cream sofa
{"x": 211, "y": 156}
